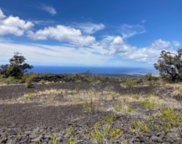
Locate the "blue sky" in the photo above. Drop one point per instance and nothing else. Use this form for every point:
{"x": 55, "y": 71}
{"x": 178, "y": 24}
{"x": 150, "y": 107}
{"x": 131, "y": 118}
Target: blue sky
{"x": 114, "y": 33}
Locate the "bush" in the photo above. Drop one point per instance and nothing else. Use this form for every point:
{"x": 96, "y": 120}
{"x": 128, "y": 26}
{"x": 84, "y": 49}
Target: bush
{"x": 141, "y": 126}
{"x": 169, "y": 66}
{"x": 150, "y": 77}
{"x": 130, "y": 82}
{"x": 16, "y": 67}
{"x": 29, "y": 81}
{"x": 152, "y": 80}
{"x": 89, "y": 107}
{"x": 148, "y": 104}
{"x": 170, "y": 118}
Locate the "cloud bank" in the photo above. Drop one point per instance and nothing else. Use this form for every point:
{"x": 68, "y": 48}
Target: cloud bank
{"x": 13, "y": 25}
{"x": 79, "y": 44}
{"x": 64, "y": 34}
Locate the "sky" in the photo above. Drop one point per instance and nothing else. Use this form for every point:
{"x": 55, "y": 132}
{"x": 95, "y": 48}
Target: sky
{"x": 99, "y": 33}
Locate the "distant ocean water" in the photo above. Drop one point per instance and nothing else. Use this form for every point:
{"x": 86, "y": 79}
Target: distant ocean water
{"x": 93, "y": 70}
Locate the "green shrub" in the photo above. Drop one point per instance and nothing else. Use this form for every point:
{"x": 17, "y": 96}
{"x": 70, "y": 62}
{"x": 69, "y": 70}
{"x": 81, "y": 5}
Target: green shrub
{"x": 100, "y": 132}
{"x": 148, "y": 104}
{"x": 16, "y": 67}
{"x": 117, "y": 108}
{"x": 169, "y": 66}
{"x": 111, "y": 119}
{"x": 54, "y": 140}
{"x": 152, "y": 80}
{"x": 170, "y": 118}
{"x": 141, "y": 126}
{"x": 72, "y": 139}
{"x": 1, "y": 79}
{"x": 150, "y": 77}
{"x": 29, "y": 81}
{"x": 125, "y": 110}
{"x": 89, "y": 107}
{"x": 129, "y": 82}
{"x": 116, "y": 133}
{"x": 11, "y": 80}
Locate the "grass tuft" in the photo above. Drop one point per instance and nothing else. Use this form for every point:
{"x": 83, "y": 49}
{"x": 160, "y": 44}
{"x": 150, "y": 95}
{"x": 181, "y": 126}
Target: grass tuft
{"x": 170, "y": 118}
{"x": 148, "y": 104}
{"x": 141, "y": 126}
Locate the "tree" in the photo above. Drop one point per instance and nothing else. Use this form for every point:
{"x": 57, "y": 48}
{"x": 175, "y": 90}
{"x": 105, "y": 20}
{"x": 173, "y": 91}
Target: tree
{"x": 16, "y": 68}
{"x": 170, "y": 66}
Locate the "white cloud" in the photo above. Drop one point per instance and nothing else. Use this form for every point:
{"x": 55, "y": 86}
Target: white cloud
{"x": 90, "y": 28}
{"x": 2, "y": 14}
{"x": 14, "y": 25}
{"x": 117, "y": 46}
{"x": 49, "y": 9}
{"x": 148, "y": 54}
{"x": 111, "y": 45}
{"x": 49, "y": 55}
{"x": 64, "y": 34}
{"x": 82, "y": 48}
{"x": 128, "y": 31}
{"x": 100, "y": 53}
{"x": 161, "y": 44}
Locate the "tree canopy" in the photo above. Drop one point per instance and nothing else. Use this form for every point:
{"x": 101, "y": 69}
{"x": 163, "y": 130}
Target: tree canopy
{"x": 169, "y": 66}
{"x": 17, "y": 66}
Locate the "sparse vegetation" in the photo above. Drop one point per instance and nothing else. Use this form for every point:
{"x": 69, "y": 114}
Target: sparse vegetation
{"x": 30, "y": 96}
{"x": 89, "y": 107}
{"x": 116, "y": 133}
{"x": 117, "y": 108}
{"x": 124, "y": 109}
{"x": 152, "y": 80}
{"x": 29, "y": 81}
{"x": 72, "y": 139}
{"x": 141, "y": 126}
{"x": 114, "y": 96}
{"x": 112, "y": 112}
{"x": 111, "y": 118}
{"x": 104, "y": 132}
{"x": 170, "y": 118}
{"x": 54, "y": 139}
{"x": 148, "y": 104}
{"x": 129, "y": 82}
{"x": 100, "y": 133}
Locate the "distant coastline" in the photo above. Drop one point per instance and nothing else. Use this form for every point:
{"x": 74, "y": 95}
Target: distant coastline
{"x": 92, "y": 70}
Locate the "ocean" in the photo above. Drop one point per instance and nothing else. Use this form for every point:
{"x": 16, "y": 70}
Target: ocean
{"x": 92, "y": 70}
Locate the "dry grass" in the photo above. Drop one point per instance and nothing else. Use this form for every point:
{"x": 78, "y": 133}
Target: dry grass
{"x": 176, "y": 89}
{"x": 102, "y": 100}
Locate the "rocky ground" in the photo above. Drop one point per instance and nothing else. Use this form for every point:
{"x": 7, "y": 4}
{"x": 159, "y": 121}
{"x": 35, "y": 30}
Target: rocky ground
{"x": 83, "y": 113}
